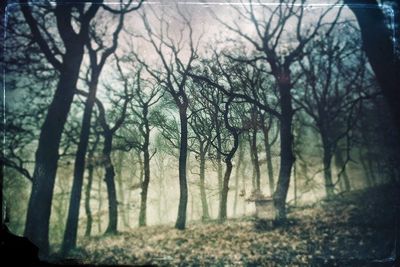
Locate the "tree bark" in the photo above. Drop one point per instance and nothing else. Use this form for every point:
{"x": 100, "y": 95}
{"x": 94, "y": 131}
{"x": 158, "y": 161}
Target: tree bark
{"x": 183, "y": 198}
{"x": 203, "y": 194}
{"x": 46, "y": 158}
{"x": 146, "y": 180}
{"x": 238, "y": 165}
{"x": 268, "y": 156}
{"x": 286, "y": 144}
{"x": 329, "y": 187}
{"x": 379, "y": 48}
{"x": 224, "y": 193}
{"x": 219, "y": 162}
{"x": 256, "y": 163}
{"x": 110, "y": 183}
{"x": 71, "y": 230}
{"x": 339, "y": 165}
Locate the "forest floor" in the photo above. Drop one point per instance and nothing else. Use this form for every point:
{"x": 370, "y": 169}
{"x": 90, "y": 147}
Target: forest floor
{"x": 355, "y": 229}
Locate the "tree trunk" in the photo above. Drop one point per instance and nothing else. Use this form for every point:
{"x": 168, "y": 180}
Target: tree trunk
{"x": 123, "y": 207}
{"x": 256, "y": 163}
{"x": 219, "y": 164}
{"x": 183, "y": 198}
{"x": 89, "y": 185}
{"x": 110, "y": 183}
{"x": 88, "y": 211}
{"x": 329, "y": 186}
{"x": 146, "y": 180}
{"x": 71, "y": 230}
{"x": 253, "y": 174}
{"x": 238, "y": 165}
{"x": 224, "y": 193}
{"x": 268, "y": 156}
{"x": 339, "y": 165}
{"x": 379, "y": 48}
{"x": 46, "y": 158}
{"x": 286, "y": 145}
{"x": 203, "y": 194}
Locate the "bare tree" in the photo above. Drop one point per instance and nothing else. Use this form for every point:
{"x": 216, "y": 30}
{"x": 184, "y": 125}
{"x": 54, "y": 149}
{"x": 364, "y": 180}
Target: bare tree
{"x": 146, "y": 95}
{"x": 334, "y": 84}
{"x": 176, "y": 56}
{"x": 38, "y": 215}
{"x": 269, "y": 24}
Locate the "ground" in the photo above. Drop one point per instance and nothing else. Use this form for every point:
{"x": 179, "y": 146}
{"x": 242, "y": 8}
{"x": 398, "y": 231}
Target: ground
{"x": 355, "y": 229}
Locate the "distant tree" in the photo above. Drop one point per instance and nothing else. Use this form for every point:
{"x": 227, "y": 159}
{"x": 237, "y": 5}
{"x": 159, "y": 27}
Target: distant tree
{"x": 146, "y": 94}
{"x": 269, "y": 23}
{"x": 333, "y": 85}
{"x": 173, "y": 77}
{"x": 202, "y": 129}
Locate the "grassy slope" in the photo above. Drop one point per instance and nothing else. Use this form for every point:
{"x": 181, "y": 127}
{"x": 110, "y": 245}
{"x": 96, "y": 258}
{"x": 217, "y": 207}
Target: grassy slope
{"x": 353, "y": 230}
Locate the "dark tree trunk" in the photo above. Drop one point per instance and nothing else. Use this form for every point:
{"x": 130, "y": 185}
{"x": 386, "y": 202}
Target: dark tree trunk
{"x": 238, "y": 165}
{"x": 219, "y": 163}
{"x": 286, "y": 145}
{"x": 46, "y": 158}
{"x": 256, "y": 163}
{"x": 71, "y": 230}
{"x": 203, "y": 194}
{"x": 90, "y": 169}
{"x": 268, "y": 155}
{"x": 146, "y": 180}
{"x": 123, "y": 208}
{"x": 329, "y": 186}
{"x": 379, "y": 48}
{"x": 228, "y": 161}
{"x": 110, "y": 183}
{"x": 253, "y": 174}
{"x": 224, "y": 193}
{"x": 327, "y": 160}
{"x": 181, "y": 219}
{"x": 339, "y": 166}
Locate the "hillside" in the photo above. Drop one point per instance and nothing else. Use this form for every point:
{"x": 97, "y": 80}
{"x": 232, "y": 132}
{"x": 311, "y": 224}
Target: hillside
{"x": 355, "y": 229}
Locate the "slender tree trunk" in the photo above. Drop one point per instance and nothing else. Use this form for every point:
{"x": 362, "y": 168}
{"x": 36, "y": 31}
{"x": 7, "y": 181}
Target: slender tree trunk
{"x": 327, "y": 160}
{"x": 256, "y": 163}
{"x": 243, "y": 173}
{"x": 329, "y": 186}
{"x": 89, "y": 185}
{"x": 203, "y": 194}
{"x": 339, "y": 165}
{"x": 253, "y": 174}
{"x": 100, "y": 206}
{"x": 286, "y": 142}
{"x": 110, "y": 183}
{"x": 123, "y": 207}
{"x": 46, "y": 158}
{"x": 146, "y": 180}
{"x": 224, "y": 194}
{"x": 219, "y": 166}
{"x": 88, "y": 190}
{"x": 71, "y": 230}
{"x": 268, "y": 156}
{"x": 182, "y": 209}
{"x": 238, "y": 165}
